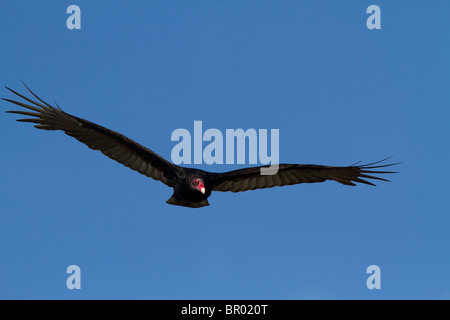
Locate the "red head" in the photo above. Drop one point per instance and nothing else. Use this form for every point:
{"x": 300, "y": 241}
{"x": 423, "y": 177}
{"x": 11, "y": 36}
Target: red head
{"x": 198, "y": 184}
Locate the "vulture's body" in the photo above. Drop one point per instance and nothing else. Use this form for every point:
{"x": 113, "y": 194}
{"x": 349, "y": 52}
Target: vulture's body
{"x": 192, "y": 187}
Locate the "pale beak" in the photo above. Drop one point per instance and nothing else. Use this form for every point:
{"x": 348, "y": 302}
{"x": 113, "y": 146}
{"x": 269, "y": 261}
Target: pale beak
{"x": 202, "y": 190}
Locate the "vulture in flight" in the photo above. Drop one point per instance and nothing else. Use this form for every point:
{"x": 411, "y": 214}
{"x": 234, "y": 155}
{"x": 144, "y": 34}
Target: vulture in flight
{"x": 192, "y": 187}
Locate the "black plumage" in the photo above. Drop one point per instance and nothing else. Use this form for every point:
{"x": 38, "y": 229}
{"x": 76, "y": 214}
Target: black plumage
{"x": 192, "y": 187}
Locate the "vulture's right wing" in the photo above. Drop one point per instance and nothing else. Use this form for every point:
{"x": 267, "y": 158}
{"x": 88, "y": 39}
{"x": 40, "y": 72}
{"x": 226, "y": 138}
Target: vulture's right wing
{"x": 111, "y": 143}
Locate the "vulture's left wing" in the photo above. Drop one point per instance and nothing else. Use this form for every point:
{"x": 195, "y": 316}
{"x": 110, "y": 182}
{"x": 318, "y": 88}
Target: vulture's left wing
{"x": 288, "y": 174}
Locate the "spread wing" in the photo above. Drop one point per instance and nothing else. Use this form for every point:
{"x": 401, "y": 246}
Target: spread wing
{"x": 251, "y": 178}
{"x": 111, "y": 143}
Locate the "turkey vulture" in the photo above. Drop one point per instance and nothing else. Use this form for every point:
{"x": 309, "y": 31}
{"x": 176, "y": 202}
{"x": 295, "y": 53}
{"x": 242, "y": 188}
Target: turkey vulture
{"x": 192, "y": 187}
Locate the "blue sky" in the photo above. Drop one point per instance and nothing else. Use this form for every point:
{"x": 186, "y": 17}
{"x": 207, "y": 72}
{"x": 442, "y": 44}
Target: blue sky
{"x": 338, "y": 93}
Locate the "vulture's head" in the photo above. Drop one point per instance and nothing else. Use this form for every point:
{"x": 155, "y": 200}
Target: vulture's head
{"x": 197, "y": 184}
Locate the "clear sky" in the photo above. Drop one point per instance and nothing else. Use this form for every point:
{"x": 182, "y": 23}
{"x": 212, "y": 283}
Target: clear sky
{"x": 338, "y": 93}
